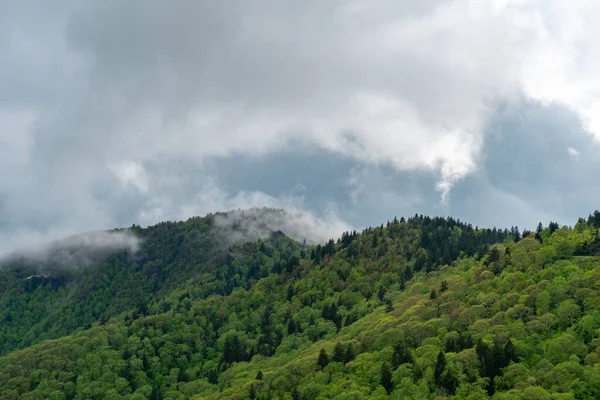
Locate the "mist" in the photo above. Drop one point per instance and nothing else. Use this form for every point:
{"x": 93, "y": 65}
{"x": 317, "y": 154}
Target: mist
{"x": 257, "y": 223}
{"x": 73, "y": 252}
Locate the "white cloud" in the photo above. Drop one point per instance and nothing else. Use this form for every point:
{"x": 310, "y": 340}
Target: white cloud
{"x": 561, "y": 58}
{"x": 74, "y": 251}
{"x": 299, "y": 222}
{"x": 573, "y": 153}
{"x": 98, "y": 98}
{"x": 131, "y": 173}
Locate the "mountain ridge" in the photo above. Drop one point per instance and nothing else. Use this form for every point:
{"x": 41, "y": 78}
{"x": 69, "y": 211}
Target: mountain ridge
{"x": 195, "y": 317}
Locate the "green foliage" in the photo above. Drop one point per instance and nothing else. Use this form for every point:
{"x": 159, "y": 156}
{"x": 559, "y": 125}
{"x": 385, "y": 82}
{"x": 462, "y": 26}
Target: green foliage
{"x": 421, "y": 308}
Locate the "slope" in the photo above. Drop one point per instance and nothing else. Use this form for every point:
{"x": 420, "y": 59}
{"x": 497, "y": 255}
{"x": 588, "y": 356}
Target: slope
{"x": 419, "y": 308}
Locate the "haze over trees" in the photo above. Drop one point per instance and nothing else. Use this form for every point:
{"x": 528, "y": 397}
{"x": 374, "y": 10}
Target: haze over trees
{"x": 418, "y": 308}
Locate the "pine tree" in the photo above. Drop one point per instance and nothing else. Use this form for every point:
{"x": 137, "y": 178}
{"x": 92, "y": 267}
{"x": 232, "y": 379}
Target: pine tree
{"x": 538, "y": 232}
{"x": 323, "y": 359}
{"x": 386, "y": 378}
{"x": 389, "y": 307}
{"x": 443, "y": 286}
{"x": 381, "y": 293}
{"x": 510, "y": 353}
{"x": 485, "y": 358}
{"x": 338, "y": 353}
{"x": 291, "y": 327}
{"x": 348, "y": 354}
{"x": 439, "y": 368}
{"x": 252, "y": 392}
{"x": 432, "y": 294}
{"x": 401, "y": 355}
{"x": 449, "y": 382}
{"x": 259, "y": 376}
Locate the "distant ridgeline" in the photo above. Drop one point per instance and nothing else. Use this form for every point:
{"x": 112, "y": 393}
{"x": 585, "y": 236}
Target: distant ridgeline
{"x": 230, "y": 306}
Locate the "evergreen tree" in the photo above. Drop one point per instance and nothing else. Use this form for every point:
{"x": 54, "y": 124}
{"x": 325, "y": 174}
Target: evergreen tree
{"x": 389, "y": 307}
{"x": 485, "y": 357}
{"x": 449, "y": 382}
{"x": 401, "y": 355}
{"x": 386, "y": 378}
{"x": 510, "y": 353}
{"x": 252, "y": 392}
{"x": 291, "y": 327}
{"x": 338, "y": 353}
{"x": 348, "y": 354}
{"x": 381, "y": 293}
{"x": 440, "y": 366}
{"x": 443, "y": 286}
{"x": 323, "y": 359}
{"x": 538, "y": 232}
{"x": 349, "y": 320}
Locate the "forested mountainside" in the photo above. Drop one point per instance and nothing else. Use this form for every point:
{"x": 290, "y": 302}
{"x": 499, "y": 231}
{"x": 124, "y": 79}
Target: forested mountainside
{"x": 421, "y": 308}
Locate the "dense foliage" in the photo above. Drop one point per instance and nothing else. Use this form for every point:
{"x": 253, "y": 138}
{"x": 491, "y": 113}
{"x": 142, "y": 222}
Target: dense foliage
{"x": 420, "y": 308}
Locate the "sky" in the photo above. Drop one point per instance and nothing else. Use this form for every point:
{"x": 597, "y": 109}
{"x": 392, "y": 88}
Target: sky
{"x": 114, "y": 113}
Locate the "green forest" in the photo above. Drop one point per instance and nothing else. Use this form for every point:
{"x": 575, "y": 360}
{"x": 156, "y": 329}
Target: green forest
{"x": 417, "y": 308}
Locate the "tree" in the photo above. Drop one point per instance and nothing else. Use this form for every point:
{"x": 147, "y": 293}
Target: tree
{"x": 538, "y": 232}
{"x": 323, "y": 359}
{"x": 348, "y": 354}
{"x": 443, "y": 286}
{"x": 338, "y": 353}
{"x": 401, "y": 355}
{"x": 494, "y": 255}
{"x": 542, "y": 302}
{"x": 510, "y": 353}
{"x": 449, "y": 381}
{"x": 440, "y": 366}
{"x": 389, "y": 307}
{"x": 432, "y": 294}
{"x": 252, "y": 392}
{"x": 485, "y": 357}
{"x": 568, "y": 311}
{"x": 292, "y": 327}
{"x": 259, "y": 376}
{"x": 381, "y": 293}
{"x": 386, "y": 378}
{"x": 295, "y": 393}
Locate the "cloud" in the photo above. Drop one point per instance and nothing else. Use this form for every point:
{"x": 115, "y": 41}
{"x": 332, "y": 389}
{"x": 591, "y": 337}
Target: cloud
{"x": 246, "y": 208}
{"x": 573, "y": 153}
{"x": 254, "y": 223}
{"x": 108, "y": 119}
{"x": 526, "y": 176}
{"x": 131, "y": 173}
{"x": 72, "y": 252}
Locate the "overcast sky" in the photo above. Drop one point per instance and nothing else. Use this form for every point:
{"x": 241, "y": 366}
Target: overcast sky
{"x": 121, "y": 112}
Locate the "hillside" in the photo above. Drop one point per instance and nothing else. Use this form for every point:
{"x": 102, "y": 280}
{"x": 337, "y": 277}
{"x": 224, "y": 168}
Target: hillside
{"x": 420, "y": 308}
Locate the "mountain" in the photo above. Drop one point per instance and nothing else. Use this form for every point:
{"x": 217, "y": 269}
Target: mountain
{"x": 229, "y": 307}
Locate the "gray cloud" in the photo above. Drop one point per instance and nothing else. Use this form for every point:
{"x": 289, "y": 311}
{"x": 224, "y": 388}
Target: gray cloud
{"x": 118, "y": 112}
{"x": 72, "y": 252}
{"x": 255, "y": 223}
